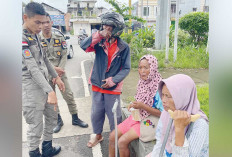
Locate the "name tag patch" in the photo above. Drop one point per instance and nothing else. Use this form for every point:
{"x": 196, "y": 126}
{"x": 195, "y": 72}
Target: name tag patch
{"x": 55, "y": 45}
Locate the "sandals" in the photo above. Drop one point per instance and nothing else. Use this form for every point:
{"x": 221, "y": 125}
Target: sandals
{"x": 94, "y": 141}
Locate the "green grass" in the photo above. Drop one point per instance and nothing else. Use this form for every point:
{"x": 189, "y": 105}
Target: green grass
{"x": 203, "y": 97}
{"x": 188, "y": 57}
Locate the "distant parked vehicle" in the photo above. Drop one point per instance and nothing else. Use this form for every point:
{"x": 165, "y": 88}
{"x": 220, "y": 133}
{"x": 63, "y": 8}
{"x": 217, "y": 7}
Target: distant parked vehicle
{"x": 70, "y": 52}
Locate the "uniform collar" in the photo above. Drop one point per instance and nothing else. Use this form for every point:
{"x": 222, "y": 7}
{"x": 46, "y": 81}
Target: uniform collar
{"x": 42, "y": 36}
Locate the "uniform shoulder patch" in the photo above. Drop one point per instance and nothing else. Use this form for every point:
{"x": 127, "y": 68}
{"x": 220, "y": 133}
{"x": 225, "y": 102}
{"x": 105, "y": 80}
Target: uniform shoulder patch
{"x": 58, "y": 35}
{"x": 27, "y": 53}
{"x": 64, "y": 45}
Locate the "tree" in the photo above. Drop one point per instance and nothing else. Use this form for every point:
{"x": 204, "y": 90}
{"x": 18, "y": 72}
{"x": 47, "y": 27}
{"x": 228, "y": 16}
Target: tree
{"x": 123, "y": 10}
{"x": 196, "y": 24}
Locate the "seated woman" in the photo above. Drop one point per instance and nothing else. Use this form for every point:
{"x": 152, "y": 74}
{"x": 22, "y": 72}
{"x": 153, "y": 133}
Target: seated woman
{"x": 179, "y": 94}
{"x": 147, "y": 101}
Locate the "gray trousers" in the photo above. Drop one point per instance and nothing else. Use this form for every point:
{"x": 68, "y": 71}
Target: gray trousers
{"x": 35, "y": 108}
{"x": 67, "y": 95}
{"x": 102, "y": 104}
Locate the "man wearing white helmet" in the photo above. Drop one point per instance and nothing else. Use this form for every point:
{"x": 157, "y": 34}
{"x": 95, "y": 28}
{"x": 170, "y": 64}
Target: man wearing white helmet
{"x": 111, "y": 66}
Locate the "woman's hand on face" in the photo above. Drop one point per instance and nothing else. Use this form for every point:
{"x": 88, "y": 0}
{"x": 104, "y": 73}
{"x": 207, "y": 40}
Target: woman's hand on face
{"x": 181, "y": 119}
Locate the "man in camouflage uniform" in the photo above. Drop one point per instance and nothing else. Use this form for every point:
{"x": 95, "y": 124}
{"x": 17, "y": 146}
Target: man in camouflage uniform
{"x": 56, "y": 50}
{"x": 38, "y": 97}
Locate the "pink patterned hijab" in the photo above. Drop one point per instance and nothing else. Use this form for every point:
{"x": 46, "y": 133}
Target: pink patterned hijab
{"x": 147, "y": 89}
{"x": 184, "y": 93}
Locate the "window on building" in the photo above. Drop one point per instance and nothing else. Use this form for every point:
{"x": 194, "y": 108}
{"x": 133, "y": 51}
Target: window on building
{"x": 206, "y": 9}
{"x": 145, "y": 11}
{"x": 173, "y": 8}
{"x": 155, "y": 10}
{"x": 79, "y": 13}
{"x": 194, "y": 9}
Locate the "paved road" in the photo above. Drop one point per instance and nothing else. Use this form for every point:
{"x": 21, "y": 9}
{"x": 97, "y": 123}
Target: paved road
{"x": 73, "y": 139}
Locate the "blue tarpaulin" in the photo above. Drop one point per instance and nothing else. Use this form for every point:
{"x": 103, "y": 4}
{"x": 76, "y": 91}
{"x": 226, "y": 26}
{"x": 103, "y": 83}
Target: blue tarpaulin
{"x": 58, "y": 20}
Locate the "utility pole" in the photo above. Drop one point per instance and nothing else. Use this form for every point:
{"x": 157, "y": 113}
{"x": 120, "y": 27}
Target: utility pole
{"x": 130, "y": 30}
{"x": 141, "y": 11}
{"x": 147, "y": 12}
{"x": 167, "y": 32}
{"x": 176, "y": 30}
{"x": 161, "y": 22}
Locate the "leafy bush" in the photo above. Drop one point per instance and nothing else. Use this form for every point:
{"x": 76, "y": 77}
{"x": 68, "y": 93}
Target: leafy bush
{"x": 171, "y": 35}
{"x": 136, "y": 47}
{"x": 197, "y": 25}
{"x": 184, "y": 39}
{"x": 127, "y": 37}
{"x": 147, "y": 36}
{"x": 189, "y": 55}
{"x": 137, "y": 40}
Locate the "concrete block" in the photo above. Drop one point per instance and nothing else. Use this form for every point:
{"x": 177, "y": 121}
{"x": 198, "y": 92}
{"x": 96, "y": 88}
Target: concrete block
{"x": 137, "y": 147}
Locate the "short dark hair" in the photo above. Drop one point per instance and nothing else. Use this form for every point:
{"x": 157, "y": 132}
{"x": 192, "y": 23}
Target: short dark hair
{"x": 47, "y": 15}
{"x": 34, "y": 8}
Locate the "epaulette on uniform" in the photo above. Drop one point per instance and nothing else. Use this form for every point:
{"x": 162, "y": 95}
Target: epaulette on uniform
{"x": 58, "y": 35}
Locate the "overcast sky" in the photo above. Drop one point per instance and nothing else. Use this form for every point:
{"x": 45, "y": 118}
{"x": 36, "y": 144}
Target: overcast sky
{"x": 62, "y": 4}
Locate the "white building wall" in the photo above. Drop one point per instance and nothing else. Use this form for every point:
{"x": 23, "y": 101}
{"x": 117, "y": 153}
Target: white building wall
{"x": 83, "y": 4}
{"x": 53, "y": 12}
{"x": 186, "y": 6}
{"x": 73, "y": 5}
{"x": 91, "y": 5}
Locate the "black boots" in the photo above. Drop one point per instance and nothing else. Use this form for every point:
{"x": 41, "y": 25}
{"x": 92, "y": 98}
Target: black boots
{"x": 59, "y": 124}
{"x": 77, "y": 121}
{"x": 35, "y": 153}
{"x": 48, "y": 150}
